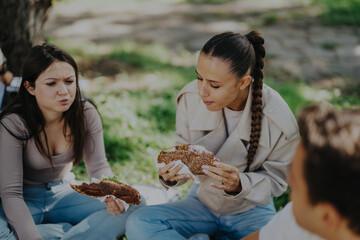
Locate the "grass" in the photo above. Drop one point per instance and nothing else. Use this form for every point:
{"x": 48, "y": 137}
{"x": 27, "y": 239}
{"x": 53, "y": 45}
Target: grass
{"x": 330, "y": 46}
{"x": 270, "y": 19}
{"x": 139, "y": 111}
{"x": 340, "y": 12}
{"x": 208, "y": 1}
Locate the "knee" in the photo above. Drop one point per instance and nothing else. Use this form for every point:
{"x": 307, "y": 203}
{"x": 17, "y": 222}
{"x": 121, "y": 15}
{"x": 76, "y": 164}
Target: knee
{"x": 136, "y": 219}
{"x": 133, "y": 224}
{"x": 139, "y": 222}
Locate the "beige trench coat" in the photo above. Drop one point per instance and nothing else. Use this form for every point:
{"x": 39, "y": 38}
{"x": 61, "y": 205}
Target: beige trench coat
{"x": 268, "y": 172}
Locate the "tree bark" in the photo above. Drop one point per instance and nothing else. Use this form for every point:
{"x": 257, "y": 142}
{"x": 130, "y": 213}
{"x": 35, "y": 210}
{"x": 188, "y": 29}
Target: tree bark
{"x": 21, "y": 27}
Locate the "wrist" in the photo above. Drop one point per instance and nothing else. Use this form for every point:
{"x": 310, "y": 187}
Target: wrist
{"x": 236, "y": 191}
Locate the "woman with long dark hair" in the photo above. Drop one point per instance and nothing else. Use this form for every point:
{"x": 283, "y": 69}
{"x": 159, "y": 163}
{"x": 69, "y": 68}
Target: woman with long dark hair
{"x": 46, "y": 130}
{"x": 249, "y": 128}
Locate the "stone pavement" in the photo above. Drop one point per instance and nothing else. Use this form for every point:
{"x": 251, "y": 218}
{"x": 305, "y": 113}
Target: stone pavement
{"x": 298, "y": 46}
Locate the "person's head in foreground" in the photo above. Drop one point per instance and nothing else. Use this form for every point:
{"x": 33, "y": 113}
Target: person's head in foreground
{"x": 325, "y": 172}
{"x": 50, "y": 91}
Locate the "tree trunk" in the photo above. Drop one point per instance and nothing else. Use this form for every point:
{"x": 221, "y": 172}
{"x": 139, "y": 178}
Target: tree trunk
{"x": 21, "y": 27}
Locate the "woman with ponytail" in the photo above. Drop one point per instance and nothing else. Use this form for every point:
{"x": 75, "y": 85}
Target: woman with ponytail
{"x": 249, "y": 128}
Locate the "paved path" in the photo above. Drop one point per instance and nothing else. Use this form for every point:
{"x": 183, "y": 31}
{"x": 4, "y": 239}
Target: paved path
{"x": 298, "y": 46}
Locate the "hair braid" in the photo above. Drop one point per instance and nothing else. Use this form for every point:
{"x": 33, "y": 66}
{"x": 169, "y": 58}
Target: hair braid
{"x": 257, "y": 42}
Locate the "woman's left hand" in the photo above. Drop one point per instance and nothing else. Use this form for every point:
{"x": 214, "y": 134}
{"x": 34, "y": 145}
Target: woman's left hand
{"x": 114, "y": 207}
{"x": 226, "y": 174}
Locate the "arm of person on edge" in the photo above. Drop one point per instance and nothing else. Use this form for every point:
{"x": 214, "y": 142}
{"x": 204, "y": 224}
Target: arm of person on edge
{"x": 17, "y": 212}
{"x": 5, "y": 75}
{"x": 95, "y": 157}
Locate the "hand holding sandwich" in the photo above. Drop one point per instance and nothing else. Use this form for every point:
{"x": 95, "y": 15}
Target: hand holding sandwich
{"x": 168, "y": 173}
{"x": 114, "y": 206}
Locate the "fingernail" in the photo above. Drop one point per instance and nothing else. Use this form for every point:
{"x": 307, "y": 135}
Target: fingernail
{"x": 216, "y": 163}
{"x": 205, "y": 171}
{"x": 212, "y": 184}
{"x": 172, "y": 163}
{"x": 205, "y": 166}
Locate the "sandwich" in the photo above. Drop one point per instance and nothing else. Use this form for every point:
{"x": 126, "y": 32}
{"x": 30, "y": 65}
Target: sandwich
{"x": 109, "y": 187}
{"x": 194, "y": 156}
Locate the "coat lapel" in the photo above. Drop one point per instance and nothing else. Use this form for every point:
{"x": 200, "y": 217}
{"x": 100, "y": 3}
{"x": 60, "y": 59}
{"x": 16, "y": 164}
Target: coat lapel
{"x": 214, "y": 139}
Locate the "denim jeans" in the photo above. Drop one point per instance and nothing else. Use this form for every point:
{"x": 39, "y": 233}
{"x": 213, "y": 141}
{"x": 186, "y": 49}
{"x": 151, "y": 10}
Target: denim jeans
{"x": 61, "y": 213}
{"x": 187, "y": 217}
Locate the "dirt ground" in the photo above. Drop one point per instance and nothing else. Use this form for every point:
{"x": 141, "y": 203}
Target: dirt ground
{"x": 299, "y": 47}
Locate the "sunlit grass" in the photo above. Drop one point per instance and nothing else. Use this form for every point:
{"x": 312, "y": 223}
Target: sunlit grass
{"x": 340, "y": 12}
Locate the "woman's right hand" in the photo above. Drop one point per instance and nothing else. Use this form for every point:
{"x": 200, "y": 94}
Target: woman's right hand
{"x": 114, "y": 206}
{"x": 171, "y": 175}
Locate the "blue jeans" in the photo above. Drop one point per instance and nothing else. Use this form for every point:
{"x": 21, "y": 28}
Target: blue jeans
{"x": 187, "y": 217}
{"x": 61, "y": 213}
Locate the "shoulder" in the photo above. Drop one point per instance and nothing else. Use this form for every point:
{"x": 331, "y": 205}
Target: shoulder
{"x": 189, "y": 90}
{"x": 278, "y": 111}
{"x": 280, "y": 226}
{"x": 284, "y": 226}
{"x": 189, "y": 101}
{"x": 89, "y": 106}
{"x": 91, "y": 115}
{"x": 16, "y": 124}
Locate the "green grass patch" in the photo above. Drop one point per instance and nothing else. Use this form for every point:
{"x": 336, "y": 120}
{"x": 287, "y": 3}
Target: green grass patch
{"x": 270, "y": 19}
{"x": 330, "y": 46}
{"x": 281, "y": 201}
{"x": 340, "y": 12}
{"x": 208, "y": 1}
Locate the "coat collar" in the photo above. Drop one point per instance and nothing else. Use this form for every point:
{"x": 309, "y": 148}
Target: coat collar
{"x": 205, "y": 120}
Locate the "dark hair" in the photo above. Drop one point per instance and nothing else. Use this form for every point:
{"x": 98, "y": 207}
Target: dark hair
{"x": 37, "y": 61}
{"x": 243, "y": 52}
{"x": 331, "y": 140}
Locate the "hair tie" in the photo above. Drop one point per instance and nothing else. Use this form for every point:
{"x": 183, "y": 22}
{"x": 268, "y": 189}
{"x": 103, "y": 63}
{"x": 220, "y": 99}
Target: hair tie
{"x": 249, "y": 38}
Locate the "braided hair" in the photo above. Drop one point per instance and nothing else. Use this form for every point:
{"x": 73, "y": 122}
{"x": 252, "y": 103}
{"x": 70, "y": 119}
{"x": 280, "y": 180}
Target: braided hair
{"x": 244, "y": 53}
